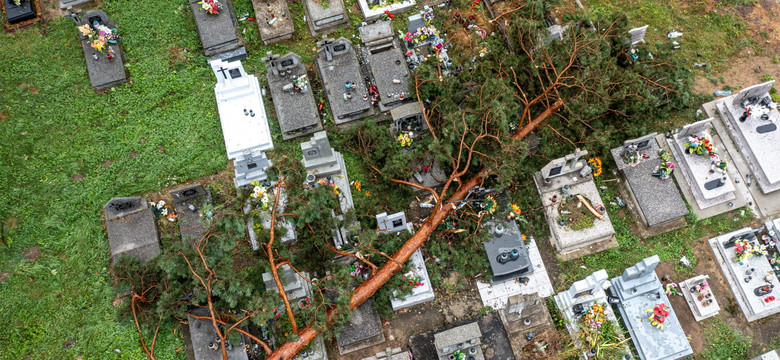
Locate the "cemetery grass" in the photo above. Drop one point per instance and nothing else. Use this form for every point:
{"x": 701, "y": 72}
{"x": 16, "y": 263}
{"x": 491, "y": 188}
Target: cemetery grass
{"x": 67, "y": 150}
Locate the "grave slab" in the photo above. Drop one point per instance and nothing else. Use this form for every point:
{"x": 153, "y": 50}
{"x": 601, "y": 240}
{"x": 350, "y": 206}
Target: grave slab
{"x": 316, "y": 351}
{"x": 324, "y": 19}
{"x": 659, "y": 202}
{"x": 433, "y": 178}
{"x": 391, "y": 354}
{"x": 754, "y": 135}
{"x": 202, "y": 335}
{"x": 291, "y": 93}
{"x": 506, "y": 252}
{"x": 322, "y": 161}
{"x": 103, "y": 73}
{"x": 494, "y": 343}
{"x": 638, "y": 290}
{"x": 382, "y": 53}
{"x": 420, "y": 294}
{"x": 17, "y": 14}
{"x": 131, "y": 229}
{"x": 465, "y": 339}
{"x": 218, "y": 32}
{"x": 338, "y": 67}
{"x": 752, "y": 305}
{"x": 573, "y": 173}
{"x": 188, "y": 201}
{"x": 377, "y": 8}
{"x": 408, "y": 118}
{"x": 519, "y": 308}
{"x": 241, "y": 110}
{"x": 496, "y": 295}
{"x": 363, "y": 329}
{"x": 289, "y": 236}
{"x": 692, "y": 290}
{"x": 274, "y": 20}
{"x": 296, "y": 287}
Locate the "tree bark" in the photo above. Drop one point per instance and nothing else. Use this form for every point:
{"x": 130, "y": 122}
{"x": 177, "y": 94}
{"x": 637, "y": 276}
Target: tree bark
{"x": 390, "y": 268}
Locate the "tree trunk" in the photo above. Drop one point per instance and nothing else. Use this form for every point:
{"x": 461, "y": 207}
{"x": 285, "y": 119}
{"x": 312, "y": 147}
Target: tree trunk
{"x": 390, "y": 268}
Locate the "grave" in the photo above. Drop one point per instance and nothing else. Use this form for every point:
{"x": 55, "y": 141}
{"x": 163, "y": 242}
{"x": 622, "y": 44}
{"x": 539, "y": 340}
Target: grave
{"x": 698, "y": 294}
{"x": 324, "y": 16}
{"x": 103, "y": 73}
{"x": 637, "y": 35}
{"x": 374, "y": 9}
{"x": 506, "y": 252}
{"x": 188, "y": 201}
{"x": 393, "y": 223}
{"x": 292, "y": 95}
{"x": 638, "y": 290}
{"x": 205, "y": 342}
{"x": 708, "y": 188}
{"x": 315, "y": 351}
{"x": 296, "y": 287}
{"x": 274, "y": 20}
{"x": 496, "y": 295}
{"x": 131, "y": 228}
{"x": 289, "y": 236}
{"x": 342, "y": 81}
{"x": 580, "y": 298}
{"x": 391, "y": 354}
{"x": 420, "y": 293}
{"x": 382, "y": 53}
{"x": 244, "y": 123}
{"x": 658, "y": 203}
{"x": 746, "y": 278}
{"x": 16, "y": 14}
{"x": 751, "y": 118}
{"x": 408, "y": 118}
{"x": 217, "y": 32}
{"x": 773, "y": 230}
{"x": 521, "y": 331}
{"x": 428, "y": 173}
{"x": 323, "y": 162}
{"x": 363, "y": 329}
{"x": 772, "y": 355}
{"x": 569, "y": 179}
{"x": 464, "y": 339}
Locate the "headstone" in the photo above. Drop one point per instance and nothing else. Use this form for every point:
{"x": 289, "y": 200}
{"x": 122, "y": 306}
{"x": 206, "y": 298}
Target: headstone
{"x": 391, "y": 354}
{"x": 205, "y": 342}
{"x": 696, "y": 168}
{"x": 567, "y": 178}
{"x": 744, "y": 278}
{"x": 274, "y": 20}
{"x": 250, "y": 166}
{"x": 342, "y": 81}
{"x": 15, "y": 14}
{"x": 658, "y": 202}
{"x": 464, "y": 339}
{"x": 408, "y": 117}
{"x": 131, "y": 228}
{"x": 363, "y": 329}
{"x": 506, "y": 251}
{"x": 289, "y": 236}
{"x": 428, "y": 173}
{"x": 292, "y": 95}
{"x": 374, "y": 9}
{"x": 754, "y": 136}
{"x": 698, "y": 294}
{"x": 392, "y": 223}
{"x": 324, "y": 16}
{"x": 638, "y": 290}
{"x": 422, "y": 290}
{"x": 103, "y": 73}
{"x": 241, "y": 111}
{"x": 296, "y": 287}
{"x": 519, "y": 308}
{"x": 218, "y": 32}
{"x": 638, "y": 34}
{"x": 389, "y": 72}
{"x": 188, "y": 201}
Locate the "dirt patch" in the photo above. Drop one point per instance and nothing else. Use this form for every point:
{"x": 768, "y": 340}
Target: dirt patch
{"x": 741, "y": 74}
{"x": 4, "y": 277}
{"x": 78, "y": 177}
{"x": 178, "y": 54}
{"x": 3, "y": 116}
{"x": 684, "y": 315}
{"x": 32, "y": 253}
{"x": 142, "y": 141}
{"x": 161, "y": 149}
{"x": 107, "y": 164}
{"x": 134, "y": 154}
{"x": 68, "y": 343}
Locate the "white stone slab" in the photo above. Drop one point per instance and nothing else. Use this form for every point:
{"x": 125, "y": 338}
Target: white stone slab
{"x": 699, "y": 312}
{"x": 420, "y": 294}
{"x": 373, "y": 14}
{"x": 497, "y": 295}
{"x": 751, "y": 305}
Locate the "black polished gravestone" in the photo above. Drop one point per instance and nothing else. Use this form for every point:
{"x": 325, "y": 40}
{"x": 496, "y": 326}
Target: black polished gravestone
{"x": 17, "y": 13}
{"x": 131, "y": 228}
{"x": 218, "y": 32}
{"x": 103, "y": 73}
{"x": 188, "y": 202}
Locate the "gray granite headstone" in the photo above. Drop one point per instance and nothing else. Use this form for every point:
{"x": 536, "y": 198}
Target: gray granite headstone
{"x": 506, "y": 251}
{"x": 408, "y": 117}
{"x": 202, "y": 335}
{"x": 188, "y": 202}
{"x": 363, "y": 329}
{"x": 131, "y": 228}
{"x": 103, "y": 73}
{"x": 251, "y": 166}
{"x": 217, "y": 32}
{"x": 342, "y": 81}
{"x": 296, "y": 111}
{"x": 464, "y": 338}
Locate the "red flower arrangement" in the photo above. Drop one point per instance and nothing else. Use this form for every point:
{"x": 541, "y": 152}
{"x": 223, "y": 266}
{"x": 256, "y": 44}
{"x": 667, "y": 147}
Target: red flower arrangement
{"x": 660, "y": 312}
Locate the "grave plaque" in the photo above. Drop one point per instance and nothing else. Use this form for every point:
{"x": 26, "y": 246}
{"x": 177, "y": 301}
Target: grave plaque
{"x": 131, "y": 228}
{"x": 103, "y": 73}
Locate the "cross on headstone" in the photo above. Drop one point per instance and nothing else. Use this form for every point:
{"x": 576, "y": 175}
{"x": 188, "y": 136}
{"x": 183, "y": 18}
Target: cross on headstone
{"x": 392, "y": 223}
{"x": 223, "y": 71}
{"x": 271, "y": 59}
{"x": 577, "y": 155}
{"x": 641, "y": 269}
